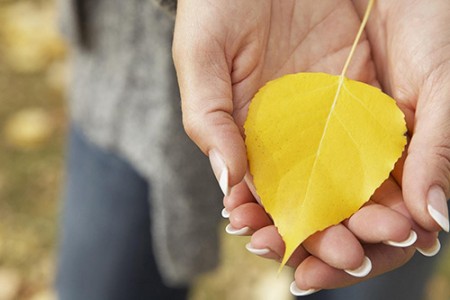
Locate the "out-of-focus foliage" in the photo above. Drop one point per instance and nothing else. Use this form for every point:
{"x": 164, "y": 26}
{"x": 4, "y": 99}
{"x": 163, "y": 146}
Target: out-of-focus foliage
{"x": 30, "y": 39}
{"x": 32, "y": 130}
{"x": 28, "y": 128}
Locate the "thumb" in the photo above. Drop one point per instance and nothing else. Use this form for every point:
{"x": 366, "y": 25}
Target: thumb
{"x": 207, "y": 104}
{"x": 426, "y": 177}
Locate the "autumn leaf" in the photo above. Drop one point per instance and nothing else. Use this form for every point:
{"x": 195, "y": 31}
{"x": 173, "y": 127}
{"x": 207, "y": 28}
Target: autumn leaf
{"x": 318, "y": 146}
{"x": 316, "y": 159}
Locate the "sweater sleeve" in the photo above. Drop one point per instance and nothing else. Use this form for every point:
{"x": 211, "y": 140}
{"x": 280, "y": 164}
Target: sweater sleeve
{"x": 169, "y": 5}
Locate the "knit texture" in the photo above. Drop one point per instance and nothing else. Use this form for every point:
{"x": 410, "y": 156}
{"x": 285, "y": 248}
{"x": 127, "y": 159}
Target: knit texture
{"x": 169, "y": 5}
{"x": 124, "y": 96}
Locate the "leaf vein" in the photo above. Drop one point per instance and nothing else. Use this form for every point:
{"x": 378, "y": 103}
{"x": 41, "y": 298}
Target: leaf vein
{"x": 347, "y": 131}
{"x": 324, "y": 133}
{"x": 363, "y": 105}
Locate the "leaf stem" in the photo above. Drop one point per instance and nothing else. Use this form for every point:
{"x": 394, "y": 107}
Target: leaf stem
{"x": 358, "y": 37}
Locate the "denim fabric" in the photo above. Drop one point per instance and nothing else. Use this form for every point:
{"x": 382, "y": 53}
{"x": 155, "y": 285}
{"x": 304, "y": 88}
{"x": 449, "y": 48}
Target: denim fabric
{"x": 105, "y": 250}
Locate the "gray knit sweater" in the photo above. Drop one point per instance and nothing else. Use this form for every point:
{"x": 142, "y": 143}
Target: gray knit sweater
{"x": 125, "y": 97}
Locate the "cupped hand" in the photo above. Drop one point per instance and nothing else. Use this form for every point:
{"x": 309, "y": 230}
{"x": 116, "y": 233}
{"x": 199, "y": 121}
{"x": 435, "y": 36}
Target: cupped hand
{"x": 410, "y": 42}
{"x": 225, "y": 50}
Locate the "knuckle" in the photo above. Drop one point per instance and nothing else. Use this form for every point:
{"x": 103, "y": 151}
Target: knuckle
{"x": 442, "y": 155}
{"x": 190, "y": 127}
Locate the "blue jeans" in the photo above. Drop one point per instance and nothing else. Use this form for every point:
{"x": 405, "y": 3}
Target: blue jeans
{"x": 106, "y": 248}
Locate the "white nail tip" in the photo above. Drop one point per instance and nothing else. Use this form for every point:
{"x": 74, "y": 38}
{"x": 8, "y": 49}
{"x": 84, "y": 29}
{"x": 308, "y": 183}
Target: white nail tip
{"x": 439, "y": 218}
{"x": 412, "y": 238}
{"x": 432, "y": 251}
{"x": 299, "y": 292}
{"x": 257, "y": 251}
{"x": 363, "y": 270}
{"x": 220, "y": 170}
{"x": 233, "y": 231}
{"x": 225, "y": 213}
{"x": 223, "y": 182}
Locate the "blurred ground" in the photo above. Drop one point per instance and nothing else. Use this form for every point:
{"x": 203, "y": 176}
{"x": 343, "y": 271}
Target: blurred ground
{"x": 32, "y": 134}
{"x": 32, "y": 118}
{"x": 32, "y": 130}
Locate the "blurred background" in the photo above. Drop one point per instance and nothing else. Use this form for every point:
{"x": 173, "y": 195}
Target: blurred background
{"x": 33, "y": 79}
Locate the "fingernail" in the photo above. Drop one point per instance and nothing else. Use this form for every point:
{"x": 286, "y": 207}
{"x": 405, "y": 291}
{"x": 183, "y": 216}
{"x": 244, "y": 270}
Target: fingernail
{"x": 225, "y": 213}
{"x": 296, "y": 291}
{"x": 412, "y": 238}
{"x": 431, "y": 251}
{"x": 363, "y": 270}
{"x": 233, "y": 231}
{"x": 437, "y": 206}
{"x": 262, "y": 251}
{"x": 220, "y": 170}
{"x": 249, "y": 180}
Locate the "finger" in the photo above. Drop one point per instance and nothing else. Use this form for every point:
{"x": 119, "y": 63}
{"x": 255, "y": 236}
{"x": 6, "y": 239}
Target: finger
{"x": 336, "y": 246}
{"x": 205, "y": 86}
{"x": 313, "y": 274}
{"x": 249, "y": 215}
{"x": 375, "y": 223}
{"x": 390, "y": 196}
{"x": 268, "y": 243}
{"x": 426, "y": 176}
{"x": 239, "y": 195}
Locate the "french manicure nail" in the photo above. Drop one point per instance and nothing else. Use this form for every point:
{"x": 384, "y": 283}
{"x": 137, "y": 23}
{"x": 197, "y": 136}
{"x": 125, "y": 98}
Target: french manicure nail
{"x": 220, "y": 170}
{"x": 363, "y": 270}
{"x": 431, "y": 251}
{"x": 296, "y": 291}
{"x": 412, "y": 238}
{"x": 249, "y": 180}
{"x": 233, "y": 231}
{"x": 437, "y": 207}
{"x": 257, "y": 251}
{"x": 225, "y": 213}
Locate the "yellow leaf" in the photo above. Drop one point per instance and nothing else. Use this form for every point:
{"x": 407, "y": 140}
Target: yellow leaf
{"x": 318, "y": 146}
{"x": 317, "y": 155}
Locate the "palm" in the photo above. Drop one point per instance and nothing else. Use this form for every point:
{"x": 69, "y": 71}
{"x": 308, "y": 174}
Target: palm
{"x": 409, "y": 52}
{"x": 412, "y": 57}
{"x": 293, "y": 36}
{"x": 303, "y": 37}
{"x": 266, "y": 40}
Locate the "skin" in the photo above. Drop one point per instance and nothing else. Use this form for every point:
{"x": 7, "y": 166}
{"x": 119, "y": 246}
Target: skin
{"x": 411, "y": 52}
{"x": 224, "y": 51}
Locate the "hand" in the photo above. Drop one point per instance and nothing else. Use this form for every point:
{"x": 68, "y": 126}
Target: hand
{"x": 224, "y": 51}
{"x": 383, "y": 226}
{"x": 410, "y": 42}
